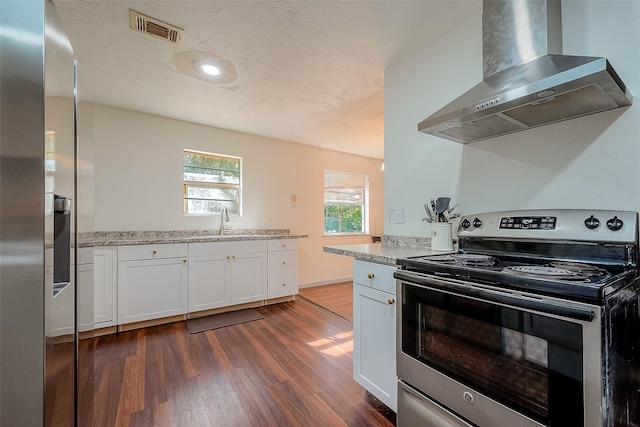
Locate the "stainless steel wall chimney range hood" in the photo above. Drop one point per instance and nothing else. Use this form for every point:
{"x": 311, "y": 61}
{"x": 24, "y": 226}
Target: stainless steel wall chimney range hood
{"x": 527, "y": 82}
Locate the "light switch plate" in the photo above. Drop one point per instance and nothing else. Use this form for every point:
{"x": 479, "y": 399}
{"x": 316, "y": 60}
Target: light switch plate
{"x": 399, "y": 216}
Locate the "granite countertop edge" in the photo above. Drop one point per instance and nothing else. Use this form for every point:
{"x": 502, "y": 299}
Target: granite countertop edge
{"x": 361, "y": 255}
{"x": 389, "y": 251}
{"x": 120, "y": 238}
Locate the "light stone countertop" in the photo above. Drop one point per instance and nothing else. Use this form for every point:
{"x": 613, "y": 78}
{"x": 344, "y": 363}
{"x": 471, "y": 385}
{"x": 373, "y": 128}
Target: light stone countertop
{"x": 389, "y": 251}
{"x": 376, "y": 252}
{"x": 124, "y": 238}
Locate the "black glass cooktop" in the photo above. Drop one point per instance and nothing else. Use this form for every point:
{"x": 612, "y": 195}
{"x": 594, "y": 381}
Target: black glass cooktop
{"x": 556, "y": 277}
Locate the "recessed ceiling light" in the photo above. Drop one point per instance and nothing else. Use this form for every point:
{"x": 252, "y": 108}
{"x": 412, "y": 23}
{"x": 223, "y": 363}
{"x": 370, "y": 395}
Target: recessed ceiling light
{"x": 209, "y": 69}
{"x": 206, "y": 67}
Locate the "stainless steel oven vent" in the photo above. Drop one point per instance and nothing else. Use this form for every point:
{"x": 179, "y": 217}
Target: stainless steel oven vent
{"x": 155, "y": 27}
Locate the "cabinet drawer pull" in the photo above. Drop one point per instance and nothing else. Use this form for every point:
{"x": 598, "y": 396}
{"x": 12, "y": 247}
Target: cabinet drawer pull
{"x": 390, "y": 301}
{"x": 228, "y": 257}
{"x": 284, "y": 284}
{"x": 184, "y": 261}
{"x": 284, "y": 245}
{"x": 154, "y": 252}
{"x": 284, "y": 262}
{"x": 370, "y": 275}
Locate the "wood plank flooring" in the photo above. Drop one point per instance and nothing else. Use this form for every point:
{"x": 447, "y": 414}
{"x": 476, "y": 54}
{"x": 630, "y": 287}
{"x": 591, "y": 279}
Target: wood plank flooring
{"x": 337, "y": 297}
{"x": 292, "y": 368}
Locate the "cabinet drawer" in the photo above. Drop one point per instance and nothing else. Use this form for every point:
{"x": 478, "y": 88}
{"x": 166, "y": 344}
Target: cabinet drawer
{"x": 85, "y": 256}
{"x": 283, "y": 262}
{"x": 142, "y": 252}
{"x": 227, "y": 248}
{"x": 283, "y": 245}
{"x": 378, "y": 276}
{"x": 282, "y": 285}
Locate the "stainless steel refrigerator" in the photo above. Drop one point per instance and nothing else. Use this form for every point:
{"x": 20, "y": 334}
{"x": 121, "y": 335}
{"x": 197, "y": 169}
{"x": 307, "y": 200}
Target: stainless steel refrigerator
{"x": 38, "y": 211}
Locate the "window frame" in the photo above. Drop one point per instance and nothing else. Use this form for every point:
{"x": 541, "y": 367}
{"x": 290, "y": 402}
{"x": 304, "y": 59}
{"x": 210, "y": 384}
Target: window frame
{"x": 365, "y": 204}
{"x": 212, "y": 185}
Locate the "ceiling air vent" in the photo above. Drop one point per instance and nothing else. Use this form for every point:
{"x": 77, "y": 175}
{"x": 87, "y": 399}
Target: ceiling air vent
{"x": 155, "y": 27}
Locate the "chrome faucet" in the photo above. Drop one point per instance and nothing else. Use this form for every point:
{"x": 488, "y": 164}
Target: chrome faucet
{"x": 224, "y": 217}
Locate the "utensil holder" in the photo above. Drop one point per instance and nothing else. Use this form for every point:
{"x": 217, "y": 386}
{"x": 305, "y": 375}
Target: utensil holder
{"x": 441, "y": 236}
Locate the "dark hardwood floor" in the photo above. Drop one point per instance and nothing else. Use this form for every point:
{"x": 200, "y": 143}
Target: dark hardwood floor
{"x": 337, "y": 297}
{"x": 292, "y": 368}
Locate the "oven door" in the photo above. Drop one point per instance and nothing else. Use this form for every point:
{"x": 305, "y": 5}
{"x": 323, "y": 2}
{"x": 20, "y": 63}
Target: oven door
{"x": 496, "y": 357}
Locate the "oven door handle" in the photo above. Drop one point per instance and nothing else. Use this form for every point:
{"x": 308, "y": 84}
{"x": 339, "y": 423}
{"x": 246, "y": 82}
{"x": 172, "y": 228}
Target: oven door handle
{"x": 495, "y": 296}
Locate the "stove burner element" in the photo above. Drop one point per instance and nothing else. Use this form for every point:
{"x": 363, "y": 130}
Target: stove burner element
{"x": 543, "y": 272}
{"x": 585, "y": 269}
{"x": 471, "y": 260}
{"x": 445, "y": 259}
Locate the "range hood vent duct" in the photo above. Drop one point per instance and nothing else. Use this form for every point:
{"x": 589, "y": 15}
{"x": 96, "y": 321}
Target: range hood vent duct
{"x": 527, "y": 81}
{"x": 155, "y": 27}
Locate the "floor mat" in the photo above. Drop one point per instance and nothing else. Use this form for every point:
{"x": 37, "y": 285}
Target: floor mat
{"x": 221, "y": 320}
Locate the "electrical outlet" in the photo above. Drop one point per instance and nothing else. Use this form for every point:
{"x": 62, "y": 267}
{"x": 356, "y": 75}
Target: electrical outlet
{"x": 265, "y": 223}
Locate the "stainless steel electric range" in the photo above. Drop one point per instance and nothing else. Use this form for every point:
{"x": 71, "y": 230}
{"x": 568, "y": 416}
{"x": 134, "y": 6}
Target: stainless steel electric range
{"x": 534, "y": 321}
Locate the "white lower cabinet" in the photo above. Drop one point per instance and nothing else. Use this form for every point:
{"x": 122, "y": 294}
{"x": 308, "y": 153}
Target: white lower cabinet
{"x": 145, "y": 282}
{"x": 208, "y": 282}
{"x": 374, "y": 330}
{"x": 104, "y": 286}
{"x": 283, "y": 268}
{"x": 226, "y": 273}
{"x": 84, "y": 289}
{"x": 248, "y": 277}
{"x": 152, "y": 282}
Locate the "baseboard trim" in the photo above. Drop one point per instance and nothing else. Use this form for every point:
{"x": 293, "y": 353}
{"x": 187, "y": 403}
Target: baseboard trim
{"x": 225, "y": 309}
{"x": 326, "y": 282}
{"x": 151, "y": 322}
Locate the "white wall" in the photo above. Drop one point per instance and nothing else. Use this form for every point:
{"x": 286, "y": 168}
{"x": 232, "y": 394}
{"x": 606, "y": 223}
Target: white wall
{"x": 138, "y": 183}
{"x": 320, "y": 267}
{"x": 590, "y": 162}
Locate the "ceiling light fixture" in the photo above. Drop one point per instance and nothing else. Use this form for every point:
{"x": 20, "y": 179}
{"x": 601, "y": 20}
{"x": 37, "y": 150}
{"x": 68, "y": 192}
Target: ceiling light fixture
{"x": 206, "y": 67}
{"x": 209, "y": 69}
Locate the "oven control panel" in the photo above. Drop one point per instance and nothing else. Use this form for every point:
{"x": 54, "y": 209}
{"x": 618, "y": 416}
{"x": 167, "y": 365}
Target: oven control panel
{"x": 589, "y": 225}
{"x": 529, "y": 222}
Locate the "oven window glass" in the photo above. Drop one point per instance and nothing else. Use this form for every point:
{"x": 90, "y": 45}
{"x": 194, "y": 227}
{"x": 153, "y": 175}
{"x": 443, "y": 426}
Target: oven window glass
{"x": 528, "y": 362}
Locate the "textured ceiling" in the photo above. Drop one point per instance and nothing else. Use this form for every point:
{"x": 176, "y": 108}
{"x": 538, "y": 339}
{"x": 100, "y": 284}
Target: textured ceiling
{"x": 310, "y": 72}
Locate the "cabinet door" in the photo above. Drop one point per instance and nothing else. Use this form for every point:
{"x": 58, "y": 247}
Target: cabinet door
{"x": 151, "y": 289}
{"x": 104, "y": 287}
{"x": 248, "y": 277}
{"x": 84, "y": 290}
{"x": 208, "y": 278}
{"x": 84, "y": 298}
{"x": 374, "y": 343}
